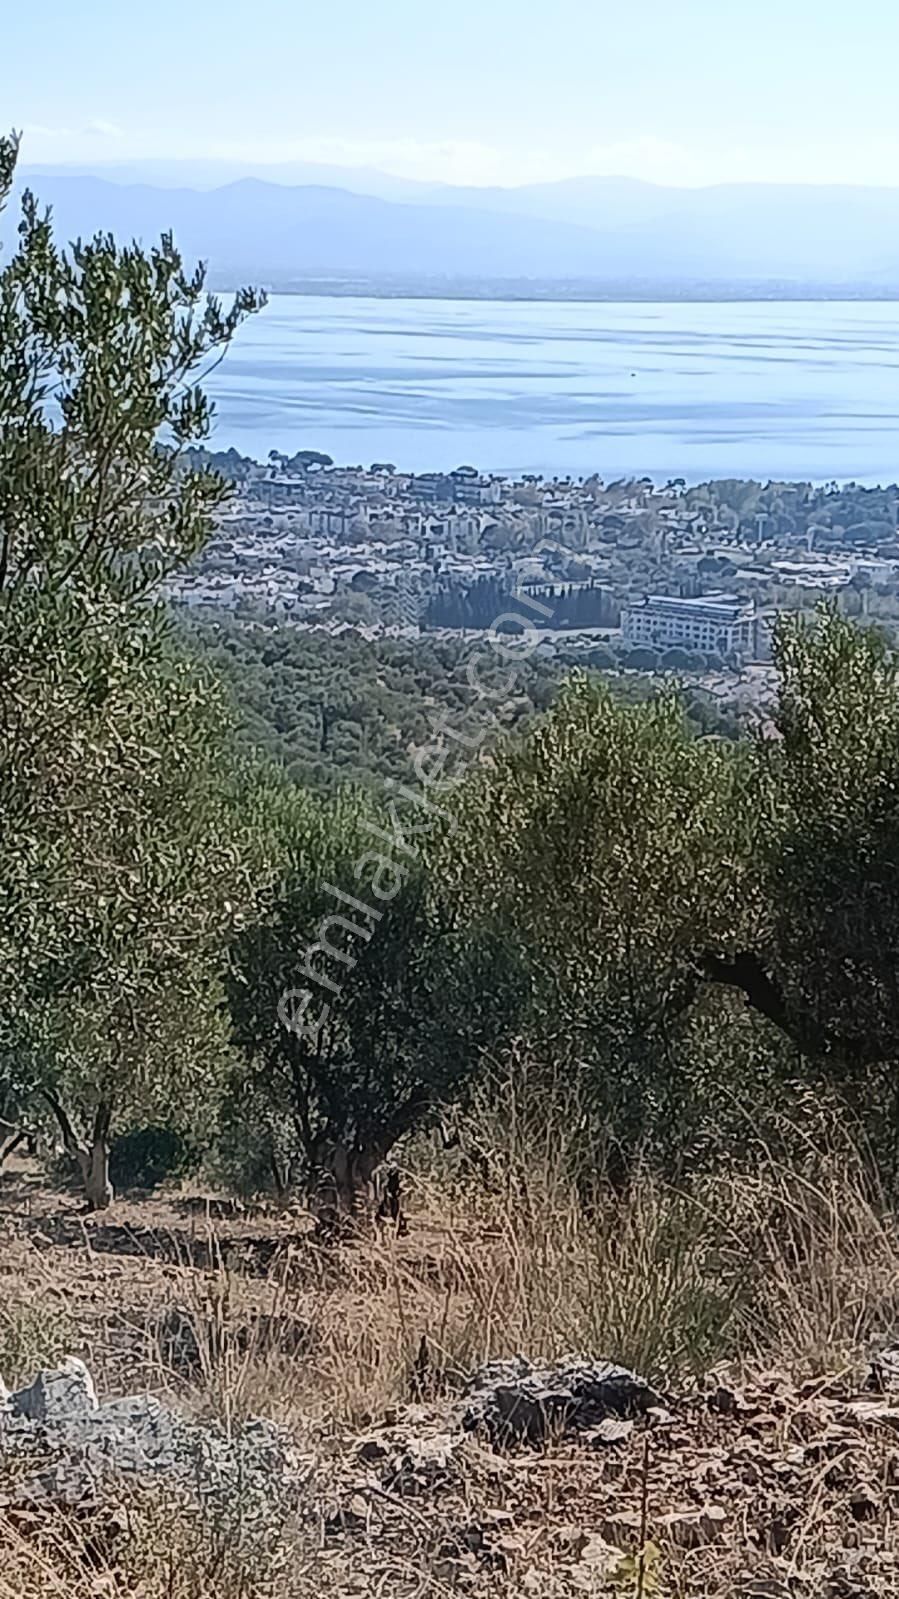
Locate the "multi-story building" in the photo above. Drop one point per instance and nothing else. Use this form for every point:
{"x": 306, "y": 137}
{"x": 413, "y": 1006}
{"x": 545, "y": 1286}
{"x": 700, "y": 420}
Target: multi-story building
{"x": 465, "y": 486}
{"x": 401, "y": 603}
{"x": 720, "y": 623}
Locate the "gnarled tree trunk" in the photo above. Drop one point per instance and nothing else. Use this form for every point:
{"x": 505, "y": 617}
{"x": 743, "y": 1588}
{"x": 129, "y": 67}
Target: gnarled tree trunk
{"x": 16, "y": 1137}
{"x": 340, "y": 1184}
{"x": 97, "y": 1186}
{"x": 91, "y": 1158}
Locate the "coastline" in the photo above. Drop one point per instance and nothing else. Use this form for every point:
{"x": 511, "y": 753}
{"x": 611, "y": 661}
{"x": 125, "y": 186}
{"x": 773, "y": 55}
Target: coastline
{"x": 583, "y": 292}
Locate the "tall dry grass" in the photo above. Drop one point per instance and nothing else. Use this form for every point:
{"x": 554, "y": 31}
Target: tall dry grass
{"x": 154, "y": 1546}
{"x": 781, "y": 1265}
{"x": 792, "y": 1264}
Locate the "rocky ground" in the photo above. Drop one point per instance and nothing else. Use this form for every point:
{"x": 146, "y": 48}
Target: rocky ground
{"x": 767, "y": 1492}
{"x": 212, "y": 1343}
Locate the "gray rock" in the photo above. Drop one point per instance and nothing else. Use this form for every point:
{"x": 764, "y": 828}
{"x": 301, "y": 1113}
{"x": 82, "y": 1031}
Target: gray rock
{"x": 62, "y": 1395}
{"x": 517, "y": 1401}
{"x": 69, "y": 1448}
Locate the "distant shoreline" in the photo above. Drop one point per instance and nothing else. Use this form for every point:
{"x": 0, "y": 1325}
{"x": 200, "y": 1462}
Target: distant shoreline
{"x": 545, "y": 292}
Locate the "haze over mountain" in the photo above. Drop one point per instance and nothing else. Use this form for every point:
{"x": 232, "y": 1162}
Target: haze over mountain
{"x": 184, "y": 172}
{"x": 284, "y": 224}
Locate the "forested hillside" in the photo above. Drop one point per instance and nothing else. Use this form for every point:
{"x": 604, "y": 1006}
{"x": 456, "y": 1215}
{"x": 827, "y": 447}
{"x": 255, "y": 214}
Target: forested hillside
{"x": 286, "y": 895}
{"x": 332, "y": 709}
{"x": 602, "y": 983}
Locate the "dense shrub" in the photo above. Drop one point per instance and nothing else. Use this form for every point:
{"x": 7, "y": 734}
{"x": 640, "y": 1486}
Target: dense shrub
{"x": 146, "y": 1157}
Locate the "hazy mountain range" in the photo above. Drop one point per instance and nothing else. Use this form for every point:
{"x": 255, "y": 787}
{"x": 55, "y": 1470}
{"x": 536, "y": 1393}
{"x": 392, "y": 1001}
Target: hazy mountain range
{"x": 283, "y": 225}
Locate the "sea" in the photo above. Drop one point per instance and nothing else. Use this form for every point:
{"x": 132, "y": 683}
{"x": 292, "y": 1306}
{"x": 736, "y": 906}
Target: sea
{"x": 795, "y": 390}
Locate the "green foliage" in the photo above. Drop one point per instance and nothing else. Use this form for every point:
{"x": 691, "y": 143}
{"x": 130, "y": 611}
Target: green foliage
{"x": 675, "y": 660}
{"x": 831, "y": 867}
{"x": 360, "y": 999}
{"x": 618, "y": 845}
{"x": 99, "y": 348}
{"x": 707, "y": 921}
{"x": 146, "y": 1157}
{"x": 116, "y": 868}
{"x": 641, "y": 659}
{"x": 337, "y": 710}
{"x": 479, "y": 604}
{"x": 333, "y": 710}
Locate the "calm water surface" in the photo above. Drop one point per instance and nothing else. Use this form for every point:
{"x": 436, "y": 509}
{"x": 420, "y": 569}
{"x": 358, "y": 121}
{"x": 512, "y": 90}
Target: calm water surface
{"x": 713, "y": 390}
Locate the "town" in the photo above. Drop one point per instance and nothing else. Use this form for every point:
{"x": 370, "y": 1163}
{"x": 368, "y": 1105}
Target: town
{"x": 667, "y": 574}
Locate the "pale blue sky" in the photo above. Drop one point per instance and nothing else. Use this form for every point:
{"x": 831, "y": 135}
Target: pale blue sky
{"x": 475, "y": 91}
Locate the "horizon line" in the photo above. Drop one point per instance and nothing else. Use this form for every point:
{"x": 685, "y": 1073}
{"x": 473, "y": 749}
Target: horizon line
{"x": 91, "y": 166}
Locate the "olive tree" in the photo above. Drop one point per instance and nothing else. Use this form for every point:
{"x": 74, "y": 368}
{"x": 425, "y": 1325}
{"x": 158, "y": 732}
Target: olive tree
{"x": 360, "y": 996}
{"x": 104, "y": 842}
{"x": 676, "y": 893}
{"x": 616, "y": 844}
{"x": 134, "y": 1024}
{"x": 821, "y": 964}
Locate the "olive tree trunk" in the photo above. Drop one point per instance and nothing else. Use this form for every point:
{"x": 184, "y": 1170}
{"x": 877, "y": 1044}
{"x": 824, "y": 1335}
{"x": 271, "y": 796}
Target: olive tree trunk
{"x": 341, "y": 1184}
{"x": 91, "y": 1158}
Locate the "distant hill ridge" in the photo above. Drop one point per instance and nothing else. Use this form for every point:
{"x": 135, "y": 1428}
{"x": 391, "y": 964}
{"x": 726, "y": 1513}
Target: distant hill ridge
{"x": 333, "y": 220}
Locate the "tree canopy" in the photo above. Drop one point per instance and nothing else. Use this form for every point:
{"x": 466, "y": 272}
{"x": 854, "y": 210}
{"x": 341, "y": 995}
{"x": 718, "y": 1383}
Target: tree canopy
{"x": 221, "y": 913}
{"x": 112, "y": 862}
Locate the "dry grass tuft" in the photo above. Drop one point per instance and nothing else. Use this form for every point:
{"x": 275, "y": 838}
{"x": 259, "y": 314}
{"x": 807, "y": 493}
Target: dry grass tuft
{"x": 153, "y": 1547}
{"x": 788, "y": 1267}
{"x": 775, "y": 1266}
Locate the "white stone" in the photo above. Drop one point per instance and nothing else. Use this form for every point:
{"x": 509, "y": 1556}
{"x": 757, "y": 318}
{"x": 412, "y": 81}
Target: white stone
{"x": 63, "y": 1394}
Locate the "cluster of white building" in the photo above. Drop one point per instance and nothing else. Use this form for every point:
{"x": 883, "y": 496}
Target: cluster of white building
{"x": 298, "y": 541}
